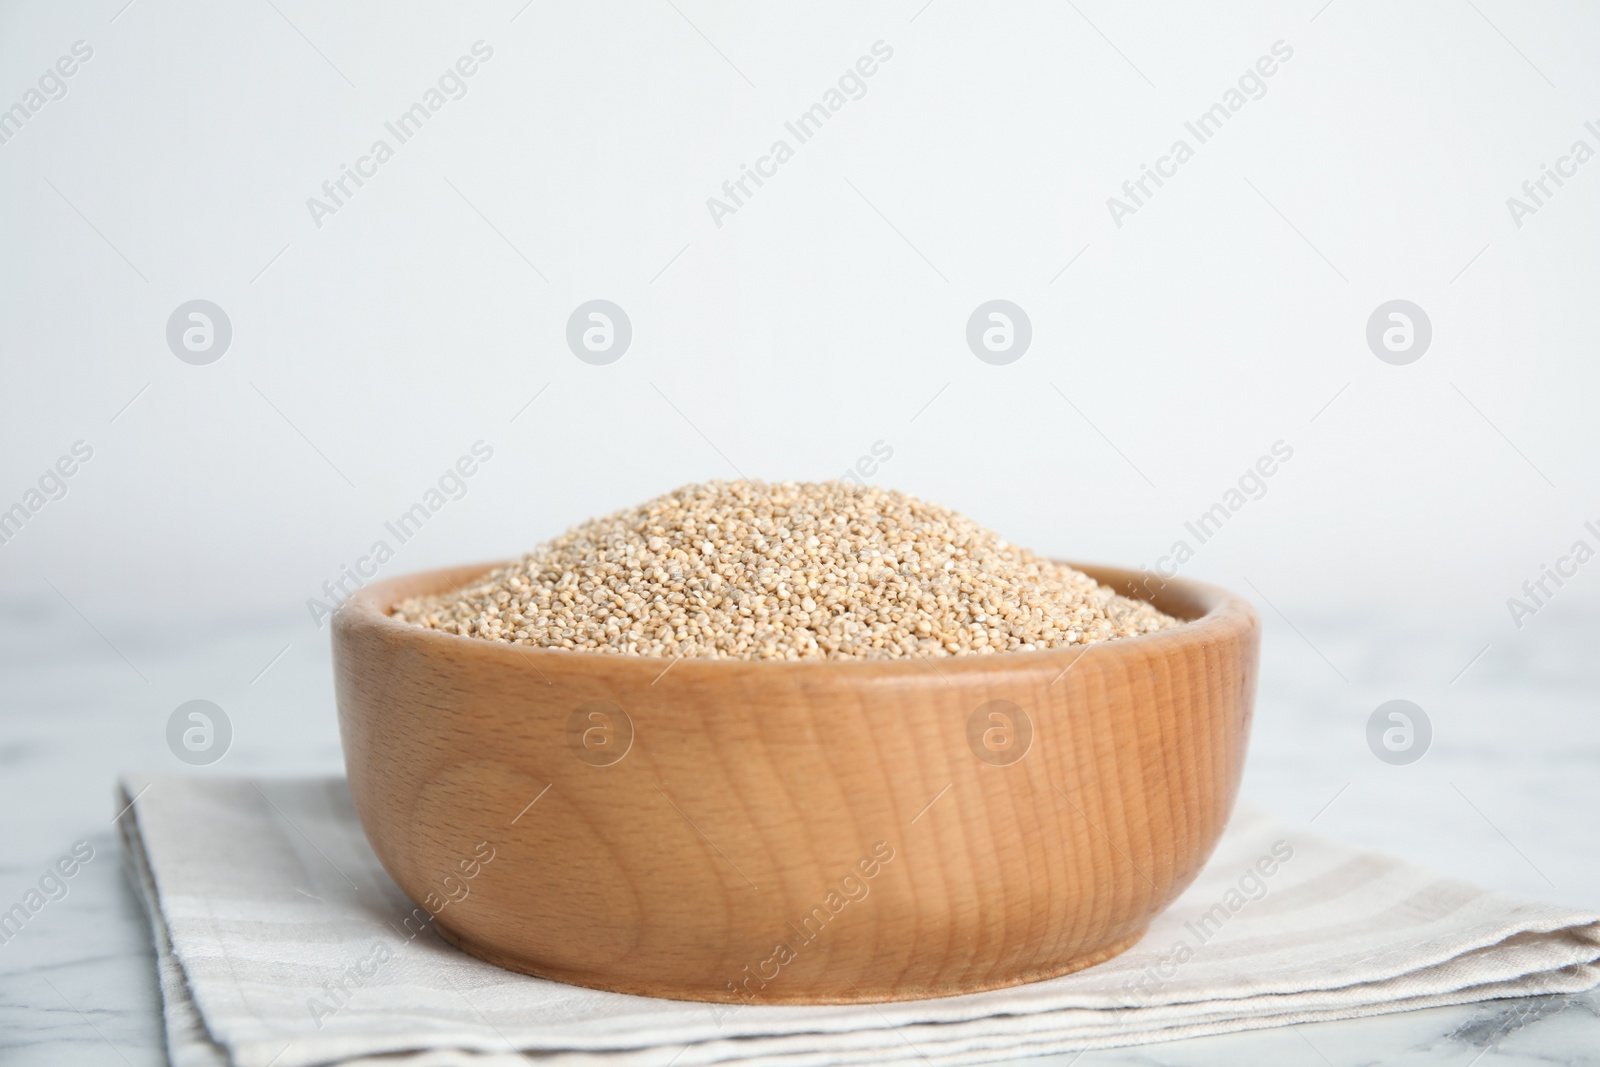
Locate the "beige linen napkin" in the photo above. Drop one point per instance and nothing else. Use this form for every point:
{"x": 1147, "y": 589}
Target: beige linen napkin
{"x": 281, "y": 941}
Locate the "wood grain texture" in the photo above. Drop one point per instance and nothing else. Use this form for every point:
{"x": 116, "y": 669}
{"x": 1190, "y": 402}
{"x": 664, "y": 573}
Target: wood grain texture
{"x": 795, "y": 832}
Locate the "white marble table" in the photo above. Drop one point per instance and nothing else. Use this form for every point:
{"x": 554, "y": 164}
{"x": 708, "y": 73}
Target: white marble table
{"x": 1506, "y": 796}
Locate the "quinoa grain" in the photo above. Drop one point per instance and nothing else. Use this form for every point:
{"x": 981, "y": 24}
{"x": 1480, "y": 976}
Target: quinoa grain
{"x": 791, "y": 570}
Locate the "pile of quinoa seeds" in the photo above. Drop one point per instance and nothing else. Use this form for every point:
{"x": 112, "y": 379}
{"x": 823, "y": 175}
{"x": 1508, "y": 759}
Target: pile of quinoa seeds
{"x": 807, "y": 570}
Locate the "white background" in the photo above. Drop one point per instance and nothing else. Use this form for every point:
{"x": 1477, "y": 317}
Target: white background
{"x": 805, "y": 328}
{"x": 827, "y": 314}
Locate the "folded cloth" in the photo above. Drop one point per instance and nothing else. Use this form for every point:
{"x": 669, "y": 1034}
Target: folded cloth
{"x": 281, "y": 941}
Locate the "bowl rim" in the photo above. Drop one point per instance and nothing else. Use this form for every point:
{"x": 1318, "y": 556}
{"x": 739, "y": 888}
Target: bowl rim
{"x": 1224, "y": 615}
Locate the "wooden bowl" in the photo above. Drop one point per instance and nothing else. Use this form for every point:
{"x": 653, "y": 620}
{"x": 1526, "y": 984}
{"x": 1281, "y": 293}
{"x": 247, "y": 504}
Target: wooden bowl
{"x": 800, "y": 832}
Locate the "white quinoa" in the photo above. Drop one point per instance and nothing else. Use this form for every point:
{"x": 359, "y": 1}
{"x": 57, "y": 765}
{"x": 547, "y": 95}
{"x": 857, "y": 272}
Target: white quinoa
{"x": 791, "y": 570}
